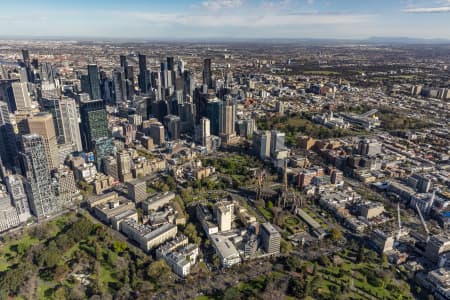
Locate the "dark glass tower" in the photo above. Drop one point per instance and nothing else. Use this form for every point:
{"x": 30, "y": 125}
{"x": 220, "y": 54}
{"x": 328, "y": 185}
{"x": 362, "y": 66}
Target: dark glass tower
{"x": 94, "y": 82}
{"x": 143, "y": 74}
{"x": 94, "y": 123}
{"x": 207, "y": 76}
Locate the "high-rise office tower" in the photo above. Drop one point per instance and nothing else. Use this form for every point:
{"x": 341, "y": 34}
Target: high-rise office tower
{"x": 38, "y": 185}
{"x": 129, "y": 74}
{"x": 189, "y": 84}
{"x": 214, "y": 114}
{"x": 8, "y": 146}
{"x": 94, "y": 82}
{"x": 51, "y": 105}
{"x": 144, "y": 79}
{"x": 157, "y": 133}
{"x": 276, "y": 141}
{"x": 205, "y": 131}
{"x": 228, "y": 121}
{"x": 42, "y": 124}
{"x": 180, "y": 68}
{"x": 170, "y": 64}
{"x": 22, "y": 98}
{"x": 94, "y": 122}
{"x": 16, "y": 189}
{"x": 70, "y": 123}
{"x": 207, "y": 75}
{"x": 261, "y": 144}
{"x": 119, "y": 86}
{"x": 173, "y": 125}
{"x": 26, "y": 56}
{"x": 123, "y": 61}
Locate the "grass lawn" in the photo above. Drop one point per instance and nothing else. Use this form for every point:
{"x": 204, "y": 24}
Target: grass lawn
{"x": 8, "y": 255}
{"x": 265, "y": 212}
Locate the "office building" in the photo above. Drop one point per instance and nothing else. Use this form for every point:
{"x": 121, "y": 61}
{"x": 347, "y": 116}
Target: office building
{"x": 155, "y": 202}
{"x": 94, "y": 82}
{"x": 8, "y": 214}
{"x": 119, "y": 86}
{"x": 22, "y": 97}
{"x": 70, "y": 123}
{"x": 173, "y": 125}
{"x": 94, "y": 122}
{"x": 270, "y": 238}
{"x": 8, "y": 145}
{"x": 144, "y": 74}
{"x": 261, "y": 144}
{"x": 214, "y": 114}
{"x": 36, "y": 169}
{"x": 42, "y": 124}
{"x": 277, "y": 139}
{"x": 145, "y": 236}
{"x": 228, "y": 121}
{"x": 207, "y": 74}
{"x": 224, "y": 215}
{"x": 204, "y": 134}
{"x": 137, "y": 190}
{"x": 157, "y": 133}
{"x": 124, "y": 166}
{"x": 225, "y": 250}
{"x": 16, "y": 189}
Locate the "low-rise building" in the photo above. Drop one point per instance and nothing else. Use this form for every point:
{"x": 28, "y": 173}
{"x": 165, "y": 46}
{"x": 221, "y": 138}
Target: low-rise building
{"x": 225, "y": 250}
{"x": 157, "y": 201}
{"x": 145, "y": 236}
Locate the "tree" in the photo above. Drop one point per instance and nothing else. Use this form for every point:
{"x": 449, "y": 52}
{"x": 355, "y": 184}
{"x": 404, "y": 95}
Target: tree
{"x": 119, "y": 246}
{"x": 296, "y": 288}
{"x": 336, "y": 234}
{"x": 191, "y": 232}
{"x": 158, "y": 270}
{"x": 286, "y": 247}
{"x": 232, "y": 293}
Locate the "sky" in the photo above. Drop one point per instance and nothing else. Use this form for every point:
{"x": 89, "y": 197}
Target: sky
{"x": 225, "y": 19}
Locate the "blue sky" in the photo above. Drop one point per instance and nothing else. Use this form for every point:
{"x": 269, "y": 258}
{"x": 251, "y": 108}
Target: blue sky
{"x": 203, "y": 19}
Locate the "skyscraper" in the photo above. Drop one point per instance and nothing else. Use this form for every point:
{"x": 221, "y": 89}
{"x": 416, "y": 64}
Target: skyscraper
{"x": 70, "y": 123}
{"x": 94, "y": 82}
{"x": 173, "y": 125}
{"x": 144, "y": 79}
{"x": 157, "y": 133}
{"x": 276, "y": 141}
{"x": 207, "y": 75}
{"x": 16, "y": 189}
{"x": 21, "y": 96}
{"x": 38, "y": 185}
{"x": 214, "y": 114}
{"x": 261, "y": 144}
{"x": 94, "y": 122}
{"x": 119, "y": 86}
{"x": 205, "y": 132}
{"x": 42, "y": 124}
{"x": 228, "y": 121}
{"x": 8, "y": 147}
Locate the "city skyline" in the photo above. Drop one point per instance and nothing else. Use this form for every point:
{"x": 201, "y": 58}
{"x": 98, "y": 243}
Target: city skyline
{"x": 226, "y": 19}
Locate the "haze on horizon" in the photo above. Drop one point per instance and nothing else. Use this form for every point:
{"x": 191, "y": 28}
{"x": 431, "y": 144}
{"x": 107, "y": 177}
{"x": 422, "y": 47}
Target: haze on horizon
{"x": 206, "y": 19}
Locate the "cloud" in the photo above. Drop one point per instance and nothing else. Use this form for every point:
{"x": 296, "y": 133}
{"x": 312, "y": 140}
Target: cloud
{"x": 424, "y": 10}
{"x": 251, "y": 20}
{"x": 221, "y": 4}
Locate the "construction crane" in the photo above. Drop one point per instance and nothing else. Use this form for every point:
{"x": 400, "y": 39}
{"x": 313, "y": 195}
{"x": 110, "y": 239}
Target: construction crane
{"x": 423, "y": 223}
